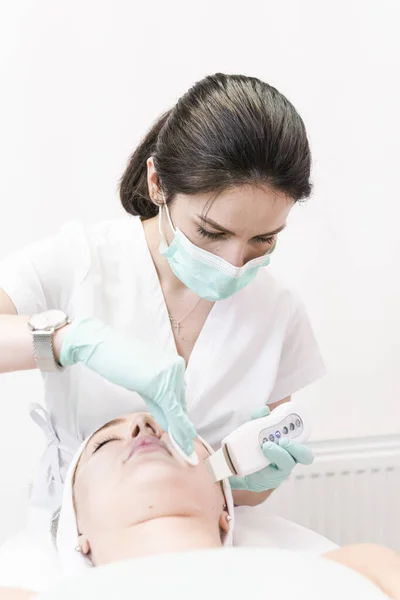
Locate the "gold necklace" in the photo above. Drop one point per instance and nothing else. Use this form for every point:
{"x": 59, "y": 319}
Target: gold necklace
{"x": 177, "y": 325}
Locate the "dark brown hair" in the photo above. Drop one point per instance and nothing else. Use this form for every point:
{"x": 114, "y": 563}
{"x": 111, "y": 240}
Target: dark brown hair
{"x": 225, "y": 131}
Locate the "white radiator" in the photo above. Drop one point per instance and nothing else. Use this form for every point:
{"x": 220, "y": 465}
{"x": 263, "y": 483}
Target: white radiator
{"x": 350, "y": 494}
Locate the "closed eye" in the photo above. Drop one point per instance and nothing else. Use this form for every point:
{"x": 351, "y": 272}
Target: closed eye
{"x": 264, "y": 240}
{"x": 102, "y": 443}
{"x": 209, "y": 234}
{"x": 212, "y": 235}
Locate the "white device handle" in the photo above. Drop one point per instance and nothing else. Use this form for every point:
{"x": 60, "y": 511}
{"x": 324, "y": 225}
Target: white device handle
{"x": 241, "y": 451}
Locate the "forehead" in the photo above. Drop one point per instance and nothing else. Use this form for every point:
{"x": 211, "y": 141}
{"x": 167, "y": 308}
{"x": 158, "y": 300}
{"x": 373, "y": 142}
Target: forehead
{"x": 241, "y": 208}
{"x": 112, "y": 423}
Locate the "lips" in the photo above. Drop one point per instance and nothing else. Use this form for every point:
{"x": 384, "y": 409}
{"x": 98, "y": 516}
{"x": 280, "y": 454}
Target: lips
{"x": 148, "y": 443}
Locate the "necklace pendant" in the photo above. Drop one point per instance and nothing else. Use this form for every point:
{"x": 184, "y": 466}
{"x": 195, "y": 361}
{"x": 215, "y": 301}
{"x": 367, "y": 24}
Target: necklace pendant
{"x": 175, "y": 324}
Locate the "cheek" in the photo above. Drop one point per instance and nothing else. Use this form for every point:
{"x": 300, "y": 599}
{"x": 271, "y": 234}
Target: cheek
{"x": 208, "y": 494}
{"x": 201, "y": 450}
{"x": 95, "y": 490}
{"x": 88, "y": 500}
{"x": 203, "y": 477}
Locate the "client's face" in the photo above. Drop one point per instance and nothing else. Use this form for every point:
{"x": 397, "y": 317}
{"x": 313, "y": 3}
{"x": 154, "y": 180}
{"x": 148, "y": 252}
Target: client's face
{"x": 129, "y": 473}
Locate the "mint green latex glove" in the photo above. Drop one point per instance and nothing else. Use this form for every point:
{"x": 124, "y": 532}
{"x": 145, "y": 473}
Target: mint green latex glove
{"x": 283, "y": 459}
{"x": 134, "y": 364}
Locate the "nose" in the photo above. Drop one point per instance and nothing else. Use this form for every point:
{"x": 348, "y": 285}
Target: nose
{"x": 235, "y": 255}
{"x": 144, "y": 424}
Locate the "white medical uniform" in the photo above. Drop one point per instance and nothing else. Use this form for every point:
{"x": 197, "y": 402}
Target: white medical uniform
{"x": 256, "y": 347}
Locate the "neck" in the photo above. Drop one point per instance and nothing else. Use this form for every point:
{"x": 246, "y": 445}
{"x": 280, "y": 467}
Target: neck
{"x": 165, "y": 534}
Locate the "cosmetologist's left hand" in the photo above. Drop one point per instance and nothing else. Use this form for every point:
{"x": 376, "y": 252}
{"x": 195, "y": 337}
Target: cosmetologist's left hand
{"x": 283, "y": 458}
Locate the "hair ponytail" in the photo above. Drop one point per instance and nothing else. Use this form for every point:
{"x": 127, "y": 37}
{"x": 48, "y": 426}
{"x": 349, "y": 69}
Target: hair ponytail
{"x": 225, "y": 131}
{"x": 134, "y": 191}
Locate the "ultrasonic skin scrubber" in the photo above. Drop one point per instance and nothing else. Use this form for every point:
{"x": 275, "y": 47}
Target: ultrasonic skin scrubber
{"x": 241, "y": 451}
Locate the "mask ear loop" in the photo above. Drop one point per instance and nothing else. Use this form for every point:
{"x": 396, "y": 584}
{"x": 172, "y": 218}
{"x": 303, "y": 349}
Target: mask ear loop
{"x": 168, "y": 214}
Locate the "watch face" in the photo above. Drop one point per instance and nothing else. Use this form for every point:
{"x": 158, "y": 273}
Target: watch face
{"x": 51, "y": 319}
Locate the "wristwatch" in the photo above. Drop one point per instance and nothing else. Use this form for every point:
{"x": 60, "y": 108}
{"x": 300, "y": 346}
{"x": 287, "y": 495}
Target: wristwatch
{"x": 43, "y": 325}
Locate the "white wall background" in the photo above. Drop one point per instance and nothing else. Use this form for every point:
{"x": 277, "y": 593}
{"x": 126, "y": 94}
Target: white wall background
{"x": 82, "y": 81}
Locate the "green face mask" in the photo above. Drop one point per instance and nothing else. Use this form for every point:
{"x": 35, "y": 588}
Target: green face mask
{"x": 209, "y": 276}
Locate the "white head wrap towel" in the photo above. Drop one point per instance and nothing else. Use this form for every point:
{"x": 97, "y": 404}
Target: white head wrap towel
{"x": 73, "y": 561}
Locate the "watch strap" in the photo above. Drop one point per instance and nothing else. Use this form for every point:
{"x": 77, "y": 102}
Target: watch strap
{"x": 43, "y": 351}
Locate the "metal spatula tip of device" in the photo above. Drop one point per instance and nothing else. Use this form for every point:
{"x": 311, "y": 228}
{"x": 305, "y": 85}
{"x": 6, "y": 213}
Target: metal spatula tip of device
{"x": 219, "y": 465}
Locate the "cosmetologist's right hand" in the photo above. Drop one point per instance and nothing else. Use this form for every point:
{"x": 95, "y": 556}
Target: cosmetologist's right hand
{"x": 134, "y": 364}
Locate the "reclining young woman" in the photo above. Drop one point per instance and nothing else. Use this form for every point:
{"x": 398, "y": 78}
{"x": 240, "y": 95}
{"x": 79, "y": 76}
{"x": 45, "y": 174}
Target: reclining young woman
{"x": 134, "y": 495}
{"x": 128, "y": 494}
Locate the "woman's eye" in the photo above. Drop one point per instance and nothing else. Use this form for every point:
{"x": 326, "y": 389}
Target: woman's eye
{"x": 209, "y": 234}
{"x": 103, "y": 443}
{"x": 265, "y": 240}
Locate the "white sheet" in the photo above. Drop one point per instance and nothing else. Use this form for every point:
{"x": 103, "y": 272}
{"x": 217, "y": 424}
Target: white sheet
{"x": 30, "y": 560}
{"x": 255, "y": 527}
{"x": 255, "y": 573}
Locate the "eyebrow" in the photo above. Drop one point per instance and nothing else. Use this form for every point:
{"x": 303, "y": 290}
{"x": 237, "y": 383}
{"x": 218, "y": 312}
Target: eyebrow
{"x": 214, "y": 224}
{"x": 118, "y": 421}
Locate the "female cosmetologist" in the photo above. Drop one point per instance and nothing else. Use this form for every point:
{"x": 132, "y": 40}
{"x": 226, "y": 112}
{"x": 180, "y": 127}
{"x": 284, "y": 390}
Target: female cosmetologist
{"x": 174, "y": 302}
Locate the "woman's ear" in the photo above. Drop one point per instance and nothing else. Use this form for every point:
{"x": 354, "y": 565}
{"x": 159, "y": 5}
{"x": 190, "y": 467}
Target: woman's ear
{"x": 83, "y": 545}
{"x": 224, "y": 520}
{"x": 152, "y": 182}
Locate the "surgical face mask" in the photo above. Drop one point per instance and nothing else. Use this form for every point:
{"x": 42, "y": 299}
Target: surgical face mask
{"x": 208, "y": 275}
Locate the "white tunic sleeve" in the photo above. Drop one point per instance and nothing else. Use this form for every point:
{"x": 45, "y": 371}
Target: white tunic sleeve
{"x": 301, "y": 361}
{"x": 43, "y": 275}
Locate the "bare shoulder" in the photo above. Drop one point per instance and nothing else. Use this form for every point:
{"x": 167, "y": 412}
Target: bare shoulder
{"x": 362, "y": 554}
{"x": 379, "y": 564}
{"x": 15, "y": 594}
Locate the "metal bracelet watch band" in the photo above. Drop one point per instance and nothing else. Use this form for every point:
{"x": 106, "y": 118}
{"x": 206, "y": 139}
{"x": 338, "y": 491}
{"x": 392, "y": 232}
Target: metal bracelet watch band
{"x": 43, "y": 326}
{"x": 43, "y": 351}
